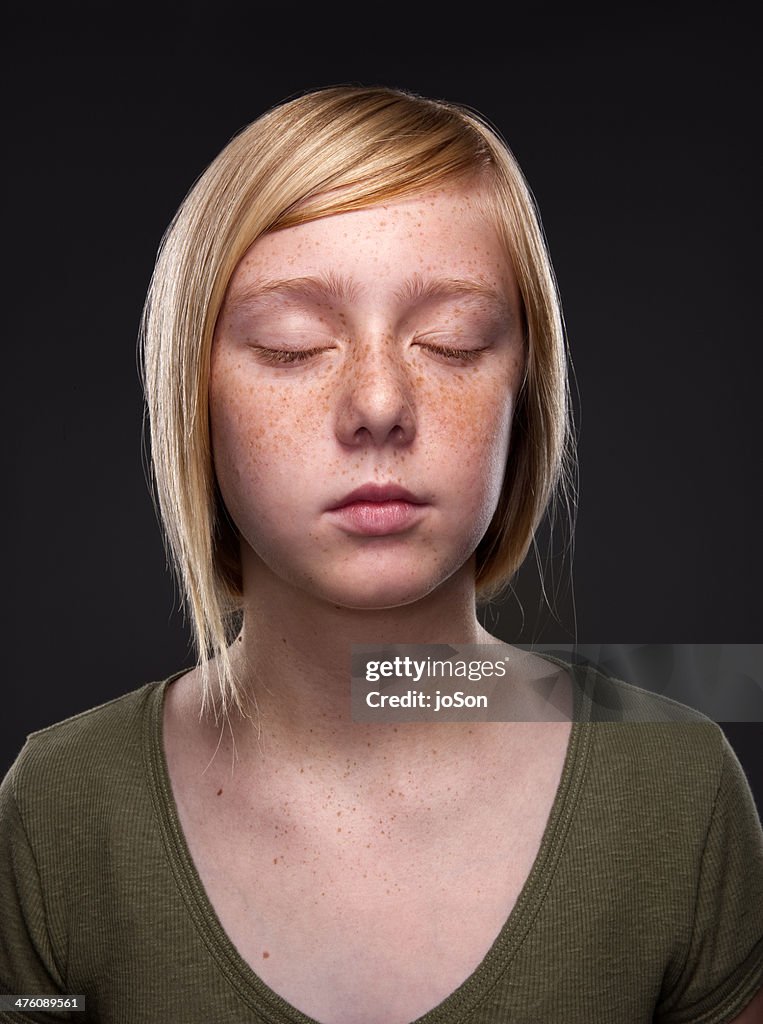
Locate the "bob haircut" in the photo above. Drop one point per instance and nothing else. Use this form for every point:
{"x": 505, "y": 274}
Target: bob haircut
{"x": 327, "y": 152}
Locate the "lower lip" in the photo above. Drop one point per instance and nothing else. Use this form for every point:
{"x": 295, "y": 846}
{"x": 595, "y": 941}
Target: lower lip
{"x": 378, "y": 518}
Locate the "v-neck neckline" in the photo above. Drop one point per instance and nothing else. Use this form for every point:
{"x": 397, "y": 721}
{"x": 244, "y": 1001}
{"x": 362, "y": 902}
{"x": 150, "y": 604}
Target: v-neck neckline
{"x": 254, "y": 992}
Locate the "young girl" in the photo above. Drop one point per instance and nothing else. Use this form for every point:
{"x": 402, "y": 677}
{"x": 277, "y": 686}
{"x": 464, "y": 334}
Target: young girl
{"x": 356, "y": 381}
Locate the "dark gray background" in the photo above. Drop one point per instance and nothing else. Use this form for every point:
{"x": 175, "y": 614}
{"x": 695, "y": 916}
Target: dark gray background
{"x": 639, "y": 137}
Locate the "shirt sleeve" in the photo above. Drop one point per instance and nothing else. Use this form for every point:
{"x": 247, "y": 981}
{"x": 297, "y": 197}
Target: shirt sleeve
{"x": 28, "y": 964}
{"x": 723, "y": 968}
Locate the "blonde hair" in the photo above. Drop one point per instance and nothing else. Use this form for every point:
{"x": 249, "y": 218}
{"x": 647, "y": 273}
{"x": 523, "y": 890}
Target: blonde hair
{"x": 327, "y": 152}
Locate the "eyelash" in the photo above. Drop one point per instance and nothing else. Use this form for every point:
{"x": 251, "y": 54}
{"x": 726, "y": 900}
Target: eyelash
{"x": 468, "y": 355}
{"x": 280, "y": 356}
{"x": 289, "y": 357}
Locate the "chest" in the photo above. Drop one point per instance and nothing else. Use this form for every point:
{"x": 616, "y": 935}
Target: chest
{"x": 359, "y": 910}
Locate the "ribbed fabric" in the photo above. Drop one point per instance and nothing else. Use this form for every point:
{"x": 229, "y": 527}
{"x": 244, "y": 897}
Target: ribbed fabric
{"x": 645, "y": 902}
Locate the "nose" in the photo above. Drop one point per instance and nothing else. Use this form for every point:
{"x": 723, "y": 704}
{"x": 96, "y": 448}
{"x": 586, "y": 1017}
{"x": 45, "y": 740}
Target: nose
{"x": 375, "y": 398}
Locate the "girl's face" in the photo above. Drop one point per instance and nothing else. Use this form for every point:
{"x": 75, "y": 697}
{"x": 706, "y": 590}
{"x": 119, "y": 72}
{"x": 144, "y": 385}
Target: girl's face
{"x": 364, "y": 372}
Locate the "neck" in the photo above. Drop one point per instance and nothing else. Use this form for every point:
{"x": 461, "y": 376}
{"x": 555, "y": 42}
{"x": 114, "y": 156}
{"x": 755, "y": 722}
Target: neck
{"x": 293, "y": 659}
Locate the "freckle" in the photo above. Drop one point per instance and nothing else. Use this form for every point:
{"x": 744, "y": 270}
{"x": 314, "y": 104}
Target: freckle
{"x": 265, "y": 954}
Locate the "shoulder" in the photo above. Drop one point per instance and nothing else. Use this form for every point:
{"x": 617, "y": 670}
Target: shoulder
{"x": 72, "y": 802}
{"x": 650, "y": 748}
{"x": 73, "y": 761}
{"x": 641, "y": 729}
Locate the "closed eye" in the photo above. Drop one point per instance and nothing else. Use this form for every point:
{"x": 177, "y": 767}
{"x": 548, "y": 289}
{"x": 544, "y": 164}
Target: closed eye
{"x": 464, "y": 355}
{"x": 287, "y": 356}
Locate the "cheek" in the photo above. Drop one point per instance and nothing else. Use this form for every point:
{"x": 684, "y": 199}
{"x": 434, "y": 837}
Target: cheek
{"x": 474, "y": 423}
{"x": 255, "y": 423}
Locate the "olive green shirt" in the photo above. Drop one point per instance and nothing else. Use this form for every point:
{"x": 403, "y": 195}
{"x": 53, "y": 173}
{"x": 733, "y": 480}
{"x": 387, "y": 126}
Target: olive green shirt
{"x": 645, "y": 902}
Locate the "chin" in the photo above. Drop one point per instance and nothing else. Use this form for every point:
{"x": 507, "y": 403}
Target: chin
{"x": 379, "y": 601}
{"x": 380, "y": 590}
{"x": 371, "y": 584}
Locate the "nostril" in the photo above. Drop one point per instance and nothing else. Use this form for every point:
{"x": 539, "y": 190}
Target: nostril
{"x": 361, "y": 437}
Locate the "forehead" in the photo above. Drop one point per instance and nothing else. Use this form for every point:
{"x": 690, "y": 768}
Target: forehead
{"x": 383, "y": 251}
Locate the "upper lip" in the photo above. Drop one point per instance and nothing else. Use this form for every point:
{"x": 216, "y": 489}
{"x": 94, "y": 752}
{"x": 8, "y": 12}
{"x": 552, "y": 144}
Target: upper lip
{"x": 377, "y": 492}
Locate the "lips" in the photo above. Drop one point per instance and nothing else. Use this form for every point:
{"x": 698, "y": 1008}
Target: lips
{"x": 378, "y": 510}
{"x": 377, "y": 493}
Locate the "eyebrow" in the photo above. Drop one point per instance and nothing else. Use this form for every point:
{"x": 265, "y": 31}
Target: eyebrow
{"x": 317, "y": 289}
{"x": 417, "y": 290}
